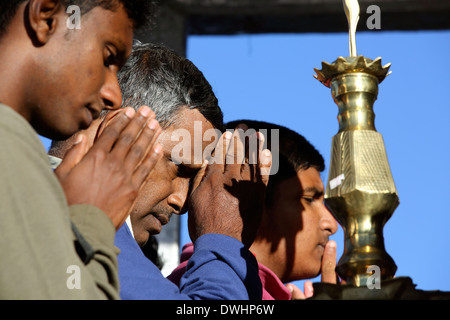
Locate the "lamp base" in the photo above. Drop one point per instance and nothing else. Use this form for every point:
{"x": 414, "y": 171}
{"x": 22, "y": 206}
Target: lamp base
{"x": 401, "y": 288}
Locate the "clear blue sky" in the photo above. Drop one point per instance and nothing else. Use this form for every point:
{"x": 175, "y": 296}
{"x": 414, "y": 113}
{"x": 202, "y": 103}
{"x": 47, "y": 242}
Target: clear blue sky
{"x": 270, "y": 78}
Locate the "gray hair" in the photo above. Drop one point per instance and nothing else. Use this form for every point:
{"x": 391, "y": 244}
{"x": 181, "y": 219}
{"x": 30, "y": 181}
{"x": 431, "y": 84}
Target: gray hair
{"x": 166, "y": 82}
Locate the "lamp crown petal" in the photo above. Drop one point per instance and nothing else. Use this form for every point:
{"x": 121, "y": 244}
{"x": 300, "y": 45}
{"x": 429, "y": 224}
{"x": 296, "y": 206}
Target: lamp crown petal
{"x": 352, "y": 65}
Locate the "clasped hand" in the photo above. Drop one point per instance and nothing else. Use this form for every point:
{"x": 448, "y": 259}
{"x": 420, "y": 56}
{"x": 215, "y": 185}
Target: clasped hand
{"x": 228, "y": 193}
{"x": 110, "y": 174}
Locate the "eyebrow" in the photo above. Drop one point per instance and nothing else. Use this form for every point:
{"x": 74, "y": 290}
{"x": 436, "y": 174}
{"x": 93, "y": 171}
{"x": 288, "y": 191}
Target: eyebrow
{"x": 314, "y": 190}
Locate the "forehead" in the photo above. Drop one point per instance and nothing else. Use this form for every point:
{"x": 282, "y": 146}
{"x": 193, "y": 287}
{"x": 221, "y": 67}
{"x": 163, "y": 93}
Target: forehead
{"x": 310, "y": 178}
{"x": 190, "y": 139}
{"x": 111, "y": 25}
{"x": 305, "y": 181}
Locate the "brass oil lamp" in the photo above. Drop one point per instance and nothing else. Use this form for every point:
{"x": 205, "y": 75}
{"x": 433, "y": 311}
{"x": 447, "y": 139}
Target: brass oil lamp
{"x": 360, "y": 191}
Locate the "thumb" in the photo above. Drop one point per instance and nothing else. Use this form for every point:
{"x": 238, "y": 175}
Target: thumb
{"x": 296, "y": 293}
{"x": 309, "y": 289}
{"x": 199, "y": 176}
{"x": 73, "y": 156}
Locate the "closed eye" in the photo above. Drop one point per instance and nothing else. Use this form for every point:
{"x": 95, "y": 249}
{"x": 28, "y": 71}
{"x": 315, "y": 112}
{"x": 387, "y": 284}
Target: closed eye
{"x": 110, "y": 58}
{"x": 309, "y": 199}
{"x": 187, "y": 172}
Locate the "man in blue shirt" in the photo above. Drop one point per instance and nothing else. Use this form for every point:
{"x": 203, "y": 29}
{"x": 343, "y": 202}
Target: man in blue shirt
{"x": 226, "y": 195}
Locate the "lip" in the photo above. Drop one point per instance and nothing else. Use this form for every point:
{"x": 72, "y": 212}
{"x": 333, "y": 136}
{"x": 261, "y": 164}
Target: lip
{"x": 156, "y": 222}
{"x": 323, "y": 243}
{"x": 162, "y": 219}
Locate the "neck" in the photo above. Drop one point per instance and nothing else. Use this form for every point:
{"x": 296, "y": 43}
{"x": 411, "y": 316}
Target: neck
{"x": 269, "y": 256}
{"x": 11, "y": 93}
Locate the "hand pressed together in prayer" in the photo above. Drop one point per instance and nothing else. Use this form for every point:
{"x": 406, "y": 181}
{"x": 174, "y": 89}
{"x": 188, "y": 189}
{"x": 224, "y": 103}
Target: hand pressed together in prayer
{"x": 110, "y": 174}
{"x": 327, "y": 271}
{"x": 228, "y": 193}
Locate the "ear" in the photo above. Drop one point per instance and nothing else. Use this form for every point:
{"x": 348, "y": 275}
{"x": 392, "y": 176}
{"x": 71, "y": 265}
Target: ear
{"x": 42, "y": 19}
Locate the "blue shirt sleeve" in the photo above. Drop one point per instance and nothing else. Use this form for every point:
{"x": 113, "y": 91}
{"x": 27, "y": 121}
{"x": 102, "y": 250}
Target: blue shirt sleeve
{"x": 221, "y": 268}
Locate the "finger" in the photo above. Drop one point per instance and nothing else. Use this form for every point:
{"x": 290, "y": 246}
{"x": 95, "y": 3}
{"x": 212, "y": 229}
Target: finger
{"x": 309, "y": 289}
{"x": 236, "y": 151}
{"x": 220, "y": 150}
{"x": 110, "y": 133}
{"x": 141, "y": 147}
{"x": 249, "y": 169}
{"x": 142, "y": 172}
{"x": 199, "y": 176}
{"x": 255, "y": 145}
{"x": 141, "y": 175}
{"x": 264, "y": 159}
{"x": 132, "y": 132}
{"x": 329, "y": 262}
{"x": 106, "y": 120}
{"x": 296, "y": 293}
{"x": 265, "y": 165}
{"x": 73, "y": 156}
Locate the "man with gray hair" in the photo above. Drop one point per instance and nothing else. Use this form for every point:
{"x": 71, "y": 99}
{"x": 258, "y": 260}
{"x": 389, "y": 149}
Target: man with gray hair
{"x": 222, "y": 195}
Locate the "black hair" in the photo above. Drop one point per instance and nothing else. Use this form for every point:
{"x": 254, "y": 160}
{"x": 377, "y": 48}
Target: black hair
{"x": 141, "y": 12}
{"x": 156, "y": 76}
{"x": 294, "y": 151}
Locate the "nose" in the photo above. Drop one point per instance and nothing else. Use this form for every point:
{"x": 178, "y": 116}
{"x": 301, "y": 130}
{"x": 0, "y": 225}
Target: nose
{"x": 177, "y": 199}
{"x": 327, "y": 222}
{"x": 110, "y": 92}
